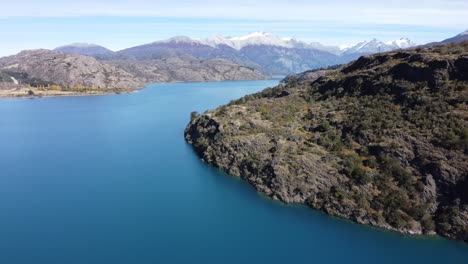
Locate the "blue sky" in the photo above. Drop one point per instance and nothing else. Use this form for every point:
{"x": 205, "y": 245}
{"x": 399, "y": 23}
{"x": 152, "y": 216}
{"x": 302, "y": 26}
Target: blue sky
{"x": 117, "y": 24}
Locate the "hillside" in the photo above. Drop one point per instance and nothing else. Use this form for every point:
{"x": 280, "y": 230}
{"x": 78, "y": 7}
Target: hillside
{"x": 382, "y": 141}
{"x": 186, "y": 68}
{"x": 45, "y": 67}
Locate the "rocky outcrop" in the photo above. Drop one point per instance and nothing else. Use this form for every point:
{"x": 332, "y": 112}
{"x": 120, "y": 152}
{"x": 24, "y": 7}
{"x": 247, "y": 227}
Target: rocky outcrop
{"x": 186, "y": 68}
{"x": 45, "y": 67}
{"x": 382, "y": 141}
{"x": 309, "y": 75}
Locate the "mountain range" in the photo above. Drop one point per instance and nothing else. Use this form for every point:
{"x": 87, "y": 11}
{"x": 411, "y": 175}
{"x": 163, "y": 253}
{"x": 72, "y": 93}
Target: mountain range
{"x": 183, "y": 59}
{"x": 253, "y": 39}
{"x": 270, "y": 54}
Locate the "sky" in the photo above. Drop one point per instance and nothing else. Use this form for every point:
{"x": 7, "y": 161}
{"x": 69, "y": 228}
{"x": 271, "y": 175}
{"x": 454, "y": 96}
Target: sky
{"x": 119, "y": 24}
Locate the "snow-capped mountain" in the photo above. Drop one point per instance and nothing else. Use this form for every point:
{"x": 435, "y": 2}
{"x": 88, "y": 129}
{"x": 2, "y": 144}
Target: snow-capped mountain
{"x": 267, "y": 39}
{"x": 180, "y": 40}
{"x": 219, "y": 40}
{"x": 261, "y": 38}
{"x": 402, "y": 43}
{"x": 253, "y": 39}
{"x": 264, "y": 51}
{"x": 85, "y": 49}
{"x": 376, "y": 46}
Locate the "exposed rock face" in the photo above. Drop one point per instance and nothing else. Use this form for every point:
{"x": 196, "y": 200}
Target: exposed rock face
{"x": 382, "y": 141}
{"x": 44, "y": 67}
{"x": 52, "y": 67}
{"x": 182, "y": 60}
{"x": 309, "y": 75}
{"x": 282, "y": 60}
{"x": 188, "y": 69}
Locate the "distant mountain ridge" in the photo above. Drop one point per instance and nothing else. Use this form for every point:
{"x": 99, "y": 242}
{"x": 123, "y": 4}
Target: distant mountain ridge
{"x": 456, "y": 39}
{"x": 267, "y": 39}
{"x": 377, "y": 46}
{"x": 262, "y": 51}
{"x": 85, "y": 49}
{"x": 217, "y": 58}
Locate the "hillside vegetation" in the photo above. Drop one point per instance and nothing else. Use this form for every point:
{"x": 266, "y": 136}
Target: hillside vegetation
{"x": 382, "y": 141}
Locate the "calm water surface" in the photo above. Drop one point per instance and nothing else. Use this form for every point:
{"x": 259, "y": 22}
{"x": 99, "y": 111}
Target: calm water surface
{"x": 110, "y": 179}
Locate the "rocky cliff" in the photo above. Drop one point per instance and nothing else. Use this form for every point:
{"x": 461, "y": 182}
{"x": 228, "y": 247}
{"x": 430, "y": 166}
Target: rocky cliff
{"x": 45, "y": 67}
{"x": 382, "y": 141}
{"x": 186, "y": 68}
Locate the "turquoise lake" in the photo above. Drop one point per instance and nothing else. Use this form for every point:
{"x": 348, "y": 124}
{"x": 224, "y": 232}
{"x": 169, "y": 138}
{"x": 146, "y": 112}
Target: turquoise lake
{"x": 110, "y": 179}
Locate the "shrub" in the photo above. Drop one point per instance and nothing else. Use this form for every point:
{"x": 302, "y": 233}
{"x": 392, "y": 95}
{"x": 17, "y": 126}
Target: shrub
{"x": 194, "y": 115}
{"x": 392, "y": 168}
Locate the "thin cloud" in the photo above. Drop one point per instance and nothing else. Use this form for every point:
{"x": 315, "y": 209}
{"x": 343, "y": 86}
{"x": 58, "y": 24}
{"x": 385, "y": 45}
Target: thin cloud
{"x": 119, "y": 24}
{"x": 442, "y": 13}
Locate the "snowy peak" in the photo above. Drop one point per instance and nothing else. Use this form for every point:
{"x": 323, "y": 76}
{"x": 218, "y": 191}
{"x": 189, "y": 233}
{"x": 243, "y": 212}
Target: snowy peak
{"x": 463, "y": 33}
{"x": 402, "y": 43}
{"x": 259, "y": 34}
{"x": 252, "y": 39}
{"x": 179, "y": 40}
{"x": 218, "y": 40}
{"x": 375, "y": 45}
{"x": 261, "y": 38}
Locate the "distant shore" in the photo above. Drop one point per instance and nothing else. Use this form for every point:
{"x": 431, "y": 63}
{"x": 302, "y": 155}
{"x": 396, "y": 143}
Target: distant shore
{"x": 21, "y": 91}
{"x": 31, "y": 92}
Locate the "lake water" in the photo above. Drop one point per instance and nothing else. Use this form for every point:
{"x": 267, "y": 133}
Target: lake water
{"x": 110, "y": 179}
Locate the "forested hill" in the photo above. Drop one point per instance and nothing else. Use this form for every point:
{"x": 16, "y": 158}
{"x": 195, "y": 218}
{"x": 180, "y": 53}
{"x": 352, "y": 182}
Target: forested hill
{"x": 382, "y": 141}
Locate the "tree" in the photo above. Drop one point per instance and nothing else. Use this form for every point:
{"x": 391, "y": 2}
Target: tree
{"x": 194, "y": 115}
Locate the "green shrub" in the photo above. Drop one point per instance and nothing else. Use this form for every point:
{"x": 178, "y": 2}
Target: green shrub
{"x": 194, "y": 115}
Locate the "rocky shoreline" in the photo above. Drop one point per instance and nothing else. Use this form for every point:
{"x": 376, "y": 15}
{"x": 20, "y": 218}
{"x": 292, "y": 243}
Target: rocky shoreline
{"x": 8, "y": 90}
{"x": 236, "y": 166}
{"x": 381, "y": 141}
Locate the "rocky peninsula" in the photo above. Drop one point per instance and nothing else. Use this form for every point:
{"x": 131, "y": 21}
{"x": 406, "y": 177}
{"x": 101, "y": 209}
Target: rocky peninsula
{"x": 382, "y": 141}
